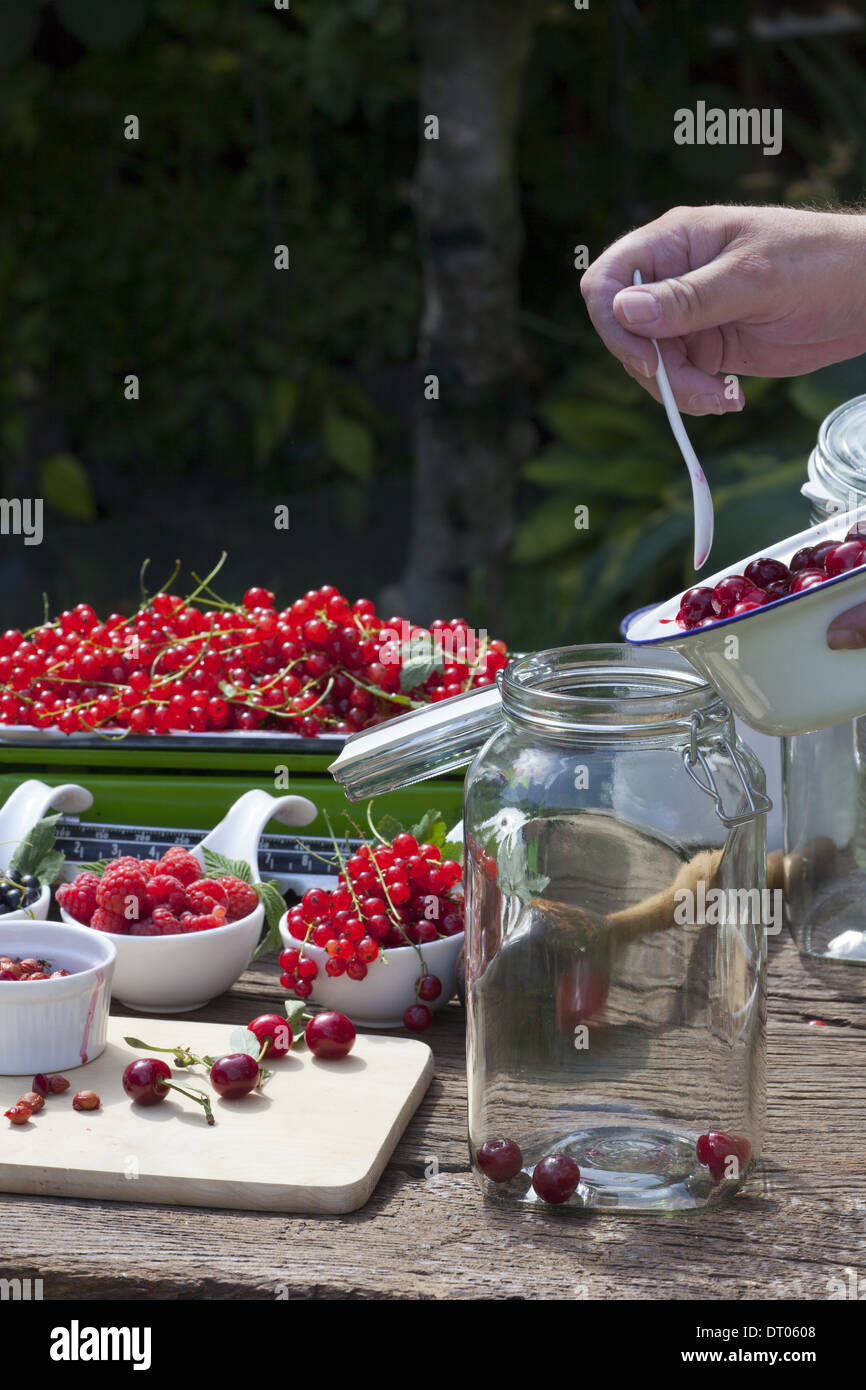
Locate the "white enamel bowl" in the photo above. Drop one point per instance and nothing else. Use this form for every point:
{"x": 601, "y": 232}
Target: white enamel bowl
{"x": 177, "y": 974}
{"x": 387, "y": 991}
{"x": 54, "y": 1025}
{"x": 772, "y": 665}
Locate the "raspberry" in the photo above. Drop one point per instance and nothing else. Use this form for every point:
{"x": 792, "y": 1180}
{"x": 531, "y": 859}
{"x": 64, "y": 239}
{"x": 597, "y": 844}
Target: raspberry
{"x": 206, "y": 894}
{"x": 103, "y": 920}
{"x": 166, "y": 922}
{"x": 180, "y": 864}
{"x": 166, "y": 890}
{"x": 149, "y": 867}
{"x": 146, "y": 927}
{"x": 122, "y": 890}
{"x": 79, "y": 898}
{"x": 241, "y": 897}
{"x": 206, "y": 921}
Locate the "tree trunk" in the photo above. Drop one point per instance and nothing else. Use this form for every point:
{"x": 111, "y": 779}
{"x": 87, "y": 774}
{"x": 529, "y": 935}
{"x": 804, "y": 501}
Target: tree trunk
{"x": 470, "y": 441}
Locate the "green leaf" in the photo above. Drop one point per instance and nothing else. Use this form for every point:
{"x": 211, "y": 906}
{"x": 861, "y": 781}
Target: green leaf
{"x": 242, "y": 1040}
{"x": 295, "y": 1010}
{"x": 387, "y": 827}
{"x": 101, "y": 24}
{"x": 38, "y": 843}
{"x": 275, "y": 908}
{"x": 217, "y": 864}
{"x": 19, "y": 25}
{"x": 349, "y": 444}
{"x": 452, "y": 849}
{"x": 98, "y": 867}
{"x": 64, "y": 484}
{"x": 50, "y": 866}
{"x": 424, "y": 829}
{"x": 415, "y": 670}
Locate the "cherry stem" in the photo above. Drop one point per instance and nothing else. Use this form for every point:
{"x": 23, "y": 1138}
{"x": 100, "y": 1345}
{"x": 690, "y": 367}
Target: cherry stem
{"x": 182, "y": 1055}
{"x": 198, "y": 1096}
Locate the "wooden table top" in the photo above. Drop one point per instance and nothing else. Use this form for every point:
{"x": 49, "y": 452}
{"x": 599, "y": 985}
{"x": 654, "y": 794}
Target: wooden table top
{"x": 799, "y": 1225}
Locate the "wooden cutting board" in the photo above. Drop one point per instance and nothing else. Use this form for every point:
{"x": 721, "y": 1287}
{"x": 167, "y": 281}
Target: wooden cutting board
{"x": 315, "y": 1140}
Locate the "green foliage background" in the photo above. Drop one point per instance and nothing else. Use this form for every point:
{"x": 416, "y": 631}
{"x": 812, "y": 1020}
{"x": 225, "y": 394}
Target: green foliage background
{"x": 301, "y": 128}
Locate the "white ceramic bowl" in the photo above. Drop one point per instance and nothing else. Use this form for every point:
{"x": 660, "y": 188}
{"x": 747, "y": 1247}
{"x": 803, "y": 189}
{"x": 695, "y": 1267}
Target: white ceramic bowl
{"x": 384, "y": 995}
{"x": 176, "y": 974}
{"x": 772, "y": 665}
{"x": 36, "y": 912}
{"x": 30, "y": 801}
{"x": 54, "y": 1025}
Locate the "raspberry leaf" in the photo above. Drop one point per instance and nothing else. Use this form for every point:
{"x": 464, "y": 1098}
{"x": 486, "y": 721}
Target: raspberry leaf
{"x": 275, "y": 907}
{"x": 98, "y": 867}
{"x": 452, "y": 849}
{"x": 217, "y": 864}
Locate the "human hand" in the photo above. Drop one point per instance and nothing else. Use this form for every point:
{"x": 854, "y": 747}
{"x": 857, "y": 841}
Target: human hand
{"x": 848, "y": 632}
{"x": 763, "y": 291}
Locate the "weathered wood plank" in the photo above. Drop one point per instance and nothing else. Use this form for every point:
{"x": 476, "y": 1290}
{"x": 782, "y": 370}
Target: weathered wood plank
{"x": 427, "y": 1234}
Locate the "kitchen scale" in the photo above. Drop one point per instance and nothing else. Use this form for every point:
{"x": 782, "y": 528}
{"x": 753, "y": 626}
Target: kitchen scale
{"x": 150, "y": 792}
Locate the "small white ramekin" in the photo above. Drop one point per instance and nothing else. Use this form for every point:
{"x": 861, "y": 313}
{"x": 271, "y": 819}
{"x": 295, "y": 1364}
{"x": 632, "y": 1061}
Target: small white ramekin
{"x": 388, "y": 989}
{"x": 54, "y": 1025}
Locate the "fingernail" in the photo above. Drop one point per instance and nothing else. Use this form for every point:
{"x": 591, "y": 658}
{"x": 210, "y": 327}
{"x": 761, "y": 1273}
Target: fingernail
{"x": 638, "y": 306}
{"x": 638, "y": 366}
{"x": 705, "y": 405}
{"x": 845, "y": 639}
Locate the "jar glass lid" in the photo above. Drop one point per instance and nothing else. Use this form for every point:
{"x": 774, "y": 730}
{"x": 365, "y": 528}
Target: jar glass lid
{"x": 414, "y": 746}
{"x": 839, "y": 459}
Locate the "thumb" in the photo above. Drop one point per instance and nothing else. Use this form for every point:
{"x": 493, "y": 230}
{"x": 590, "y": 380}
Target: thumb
{"x": 704, "y": 298}
{"x": 848, "y": 631}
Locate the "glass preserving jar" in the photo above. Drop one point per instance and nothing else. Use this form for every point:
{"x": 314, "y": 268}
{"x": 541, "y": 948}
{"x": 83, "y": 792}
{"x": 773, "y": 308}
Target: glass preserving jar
{"x": 609, "y": 824}
{"x": 615, "y": 868}
{"x": 823, "y": 773}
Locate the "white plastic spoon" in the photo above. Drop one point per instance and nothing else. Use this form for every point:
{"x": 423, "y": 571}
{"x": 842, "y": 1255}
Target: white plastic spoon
{"x": 701, "y": 496}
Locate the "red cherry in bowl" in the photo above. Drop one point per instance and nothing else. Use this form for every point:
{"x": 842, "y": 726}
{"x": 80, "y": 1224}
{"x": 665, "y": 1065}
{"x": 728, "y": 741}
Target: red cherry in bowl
{"x": 330, "y": 1035}
{"x": 234, "y": 1075}
{"x": 807, "y": 579}
{"x": 843, "y": 557}
{"x": 802, "y": 560}
{"x": 696, "y": 604}
{"x": 820, "y": 553}
{"x": 764, "y": 571}
{"x": 780, "y": 589}
{"x": 728, "y": 592}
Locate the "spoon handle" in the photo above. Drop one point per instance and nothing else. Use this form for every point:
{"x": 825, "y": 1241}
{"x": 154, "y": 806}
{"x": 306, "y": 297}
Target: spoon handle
{"x": 701, "y": 497}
